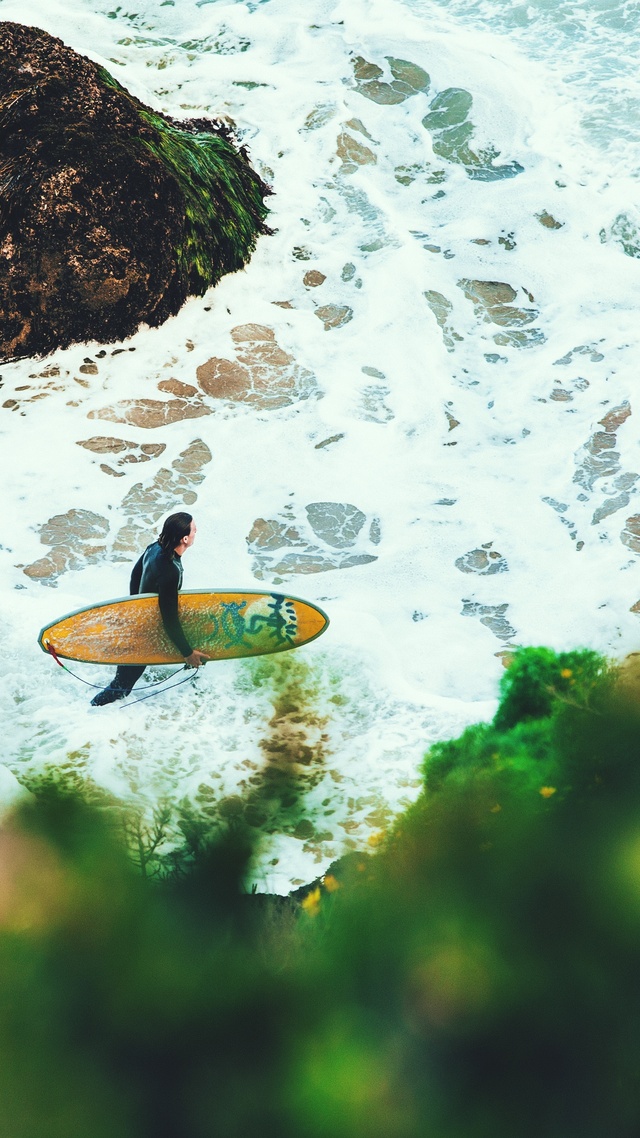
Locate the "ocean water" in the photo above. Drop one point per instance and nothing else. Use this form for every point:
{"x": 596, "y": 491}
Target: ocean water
{"x": 429, "y": 421}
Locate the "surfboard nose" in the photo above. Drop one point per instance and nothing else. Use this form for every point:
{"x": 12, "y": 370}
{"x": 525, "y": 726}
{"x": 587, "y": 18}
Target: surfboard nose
{"x": 311, "y": 622}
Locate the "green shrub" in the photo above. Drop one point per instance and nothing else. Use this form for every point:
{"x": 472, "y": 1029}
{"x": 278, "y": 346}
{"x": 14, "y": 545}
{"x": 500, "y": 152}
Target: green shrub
{"x": 539, "y": 679}
{"x": 476, "y": 978}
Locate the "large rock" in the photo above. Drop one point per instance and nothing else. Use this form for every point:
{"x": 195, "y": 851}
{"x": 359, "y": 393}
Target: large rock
{"x": 111, "y": 214}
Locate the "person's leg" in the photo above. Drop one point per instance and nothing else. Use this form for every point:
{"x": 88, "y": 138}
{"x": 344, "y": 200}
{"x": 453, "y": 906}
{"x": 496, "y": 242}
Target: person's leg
{"x": 121, "y": 684}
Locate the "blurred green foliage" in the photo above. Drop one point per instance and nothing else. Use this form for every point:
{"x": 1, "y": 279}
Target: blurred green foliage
{"x": 478, "y": 977}
{"x": 540, "y": 681}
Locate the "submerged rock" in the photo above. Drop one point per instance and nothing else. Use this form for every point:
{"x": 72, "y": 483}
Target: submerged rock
{"x": 77, "y": 538}
{"x": 485, "y": 561}
{"x": 451, "y": 133}
{"x": 442, "y": 310}
{"x": 111, "y": 214}
{"x": 263, "y": 375}
{"x": 630, "y": 535}
{"x": 492, "y": 616}
{"x": 81, "y": 537}
{"x": 407, "y": 79}
{"x": 492, "y": 304}
{"x": 600, "y": 458}
{"x": 332, "y": 535}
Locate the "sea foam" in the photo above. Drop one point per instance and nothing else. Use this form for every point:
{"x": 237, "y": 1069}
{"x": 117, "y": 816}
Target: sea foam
{"x": 447, "y": 313}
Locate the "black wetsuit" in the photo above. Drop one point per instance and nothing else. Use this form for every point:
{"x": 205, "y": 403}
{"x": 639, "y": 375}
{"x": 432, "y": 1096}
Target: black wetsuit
{"x": 157, "y": 572}
{"x": 161, "y": 573}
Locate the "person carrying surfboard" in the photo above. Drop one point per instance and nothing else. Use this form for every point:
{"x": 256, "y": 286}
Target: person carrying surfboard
{"x": 159, "y": 570}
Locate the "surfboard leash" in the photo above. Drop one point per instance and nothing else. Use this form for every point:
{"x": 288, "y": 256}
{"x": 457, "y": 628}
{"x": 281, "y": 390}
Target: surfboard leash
{"x": 153, "y": 684}
{"x": 184, "y": 680}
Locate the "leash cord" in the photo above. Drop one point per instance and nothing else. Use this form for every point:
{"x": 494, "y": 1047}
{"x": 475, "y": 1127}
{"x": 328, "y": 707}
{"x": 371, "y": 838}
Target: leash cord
{"x": 153, "y": 684}
{"x": 184, "y": 680}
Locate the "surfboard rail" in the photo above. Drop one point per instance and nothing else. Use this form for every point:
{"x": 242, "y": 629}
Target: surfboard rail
{"x": 222, "y": 623}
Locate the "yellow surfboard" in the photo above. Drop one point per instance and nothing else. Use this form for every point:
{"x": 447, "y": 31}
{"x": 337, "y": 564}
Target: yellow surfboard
{"x": 222, "y": 624}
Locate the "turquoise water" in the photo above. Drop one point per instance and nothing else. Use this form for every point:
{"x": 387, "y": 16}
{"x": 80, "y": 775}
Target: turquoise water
{"x": 590, "y": 47}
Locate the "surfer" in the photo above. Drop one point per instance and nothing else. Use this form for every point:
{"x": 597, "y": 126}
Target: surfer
{"x": 159, "y": 570}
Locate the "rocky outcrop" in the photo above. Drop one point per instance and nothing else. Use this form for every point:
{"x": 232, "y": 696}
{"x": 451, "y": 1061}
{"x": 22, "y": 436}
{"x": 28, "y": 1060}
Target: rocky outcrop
{"x": 111, "y": 214}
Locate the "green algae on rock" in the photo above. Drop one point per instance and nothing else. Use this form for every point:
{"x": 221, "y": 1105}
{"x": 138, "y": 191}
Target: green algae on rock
{"x": 111, "y": 214}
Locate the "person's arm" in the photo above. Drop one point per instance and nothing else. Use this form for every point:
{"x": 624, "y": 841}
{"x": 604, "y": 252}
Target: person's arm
{"x": 136, "y": 576}
{"x": 168, "y": 601}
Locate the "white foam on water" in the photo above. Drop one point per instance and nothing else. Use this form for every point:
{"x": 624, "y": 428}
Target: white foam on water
{"x": 456, "y": 429}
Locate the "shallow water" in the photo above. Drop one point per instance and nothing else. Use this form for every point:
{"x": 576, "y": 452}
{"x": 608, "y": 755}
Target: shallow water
{"x": 415, "y": 407}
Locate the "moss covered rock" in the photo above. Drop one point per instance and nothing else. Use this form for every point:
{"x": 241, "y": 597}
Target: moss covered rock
{"x": 111, "y": 214}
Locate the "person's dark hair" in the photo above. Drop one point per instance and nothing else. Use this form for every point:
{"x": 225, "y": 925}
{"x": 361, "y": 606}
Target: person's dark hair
{"x": 174, "y": 529}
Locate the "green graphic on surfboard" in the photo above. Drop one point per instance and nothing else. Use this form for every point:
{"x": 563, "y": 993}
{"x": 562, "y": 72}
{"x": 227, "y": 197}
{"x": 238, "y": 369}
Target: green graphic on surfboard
{"x": 223, "y": 624}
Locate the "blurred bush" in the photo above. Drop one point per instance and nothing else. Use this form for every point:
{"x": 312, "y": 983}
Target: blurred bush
{"x": 476, "y": 978}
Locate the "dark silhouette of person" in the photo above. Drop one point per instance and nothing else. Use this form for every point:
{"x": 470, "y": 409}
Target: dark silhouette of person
{"x": 159, "y": 570}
